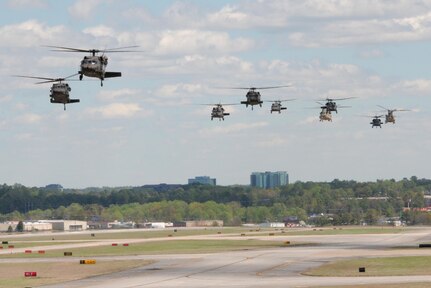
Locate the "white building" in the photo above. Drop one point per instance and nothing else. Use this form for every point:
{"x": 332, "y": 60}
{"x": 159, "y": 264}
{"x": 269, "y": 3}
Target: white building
{"x": 67, "y": 225}
{"x": 272, "y": 225}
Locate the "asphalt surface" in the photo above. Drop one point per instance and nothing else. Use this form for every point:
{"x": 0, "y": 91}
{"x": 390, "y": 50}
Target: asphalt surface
{"x": 275, "y": 267}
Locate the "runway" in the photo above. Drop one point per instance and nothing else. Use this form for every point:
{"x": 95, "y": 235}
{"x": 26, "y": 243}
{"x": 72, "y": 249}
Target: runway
{"x": 275, "y": 267}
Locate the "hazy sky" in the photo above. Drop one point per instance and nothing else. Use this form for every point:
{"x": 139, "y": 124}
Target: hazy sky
{"x": 147, "y": 127}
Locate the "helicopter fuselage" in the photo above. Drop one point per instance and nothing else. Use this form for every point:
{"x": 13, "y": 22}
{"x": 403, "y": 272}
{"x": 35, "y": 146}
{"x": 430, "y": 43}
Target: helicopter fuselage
{"x": 276, "y": 107}
{"x": 253, "y": 98}
{"x": 376, "y": 122}
{"x": 390, "y": 118}
{"x": 60, "y": 94}
{"x": 325, "y": 115}
{"x": 94, "y": 66}
{"x": 218, "y": 112}
{"x": 331, "y": 106}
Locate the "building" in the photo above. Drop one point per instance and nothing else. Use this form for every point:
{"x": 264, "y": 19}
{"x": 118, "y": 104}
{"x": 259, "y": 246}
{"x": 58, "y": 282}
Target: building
{"x": 199, "y": 223}
{"x": 268, "y": 179}
{"x": 67, "y": 225}
{"x": 205, "y": 180}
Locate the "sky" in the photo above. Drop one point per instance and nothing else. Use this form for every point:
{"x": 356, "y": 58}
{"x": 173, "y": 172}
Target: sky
{"x": 150, "y": 126}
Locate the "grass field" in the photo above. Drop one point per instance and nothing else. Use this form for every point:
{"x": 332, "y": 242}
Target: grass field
{"x": 125, "y": 234}
{"x": 12, "y": 274}
{"x": 388, "y": 266}
{"x": 157, "y": 247}
{"x": 228, "y": 231}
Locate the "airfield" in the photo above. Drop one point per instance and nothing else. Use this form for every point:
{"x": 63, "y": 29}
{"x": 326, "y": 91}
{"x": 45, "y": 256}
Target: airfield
{"x": 221, "y": 257}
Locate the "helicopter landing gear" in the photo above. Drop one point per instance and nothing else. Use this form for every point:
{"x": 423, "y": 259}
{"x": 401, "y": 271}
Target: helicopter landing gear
{"x": 80, "y": 77}
{"x": 64, "y": 107}
{"x": 101, "y": 82}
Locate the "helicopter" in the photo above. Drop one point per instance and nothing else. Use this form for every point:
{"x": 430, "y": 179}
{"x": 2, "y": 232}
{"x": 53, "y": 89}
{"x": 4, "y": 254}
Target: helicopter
{"x": 94, "y": 65}
{"x": 276, "y": 105}
{"x": 331, "y": 105}
{"x": 59, "y": 91}
{"x": 325, "y": 114}
{"x": 376, "y": 121}
{"x": 253, "y": 96}
{"x": 390, "y": 118}
{"x": 218, "y": 110}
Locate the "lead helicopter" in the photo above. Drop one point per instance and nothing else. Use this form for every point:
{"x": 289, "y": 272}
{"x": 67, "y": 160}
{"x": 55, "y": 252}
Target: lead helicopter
{"x": 59, "y": 92}
{"x": 253, "y": 96}
{"x": 331, "y": 105}
{"x": 276, "y": 105}
{"x": 390, "y": 118}
{"x": 95, "y": 65}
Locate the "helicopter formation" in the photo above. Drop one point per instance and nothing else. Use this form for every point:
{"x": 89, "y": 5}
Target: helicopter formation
{"x": 91, "y": 66}
{"x": 94, "y": 66}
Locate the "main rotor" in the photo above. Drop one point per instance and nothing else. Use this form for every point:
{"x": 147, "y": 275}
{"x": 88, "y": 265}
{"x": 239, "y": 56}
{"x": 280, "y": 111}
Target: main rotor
{"x": 92, "y": 51}
{"x": 47, "y": 80}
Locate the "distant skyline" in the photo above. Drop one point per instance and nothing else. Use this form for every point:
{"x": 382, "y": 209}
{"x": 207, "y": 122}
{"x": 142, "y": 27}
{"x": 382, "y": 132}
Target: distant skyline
{"x": 149, "y": 126}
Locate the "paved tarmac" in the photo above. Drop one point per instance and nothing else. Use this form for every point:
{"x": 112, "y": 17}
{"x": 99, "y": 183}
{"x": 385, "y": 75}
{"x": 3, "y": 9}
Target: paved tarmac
{"x": 275, "y": 267}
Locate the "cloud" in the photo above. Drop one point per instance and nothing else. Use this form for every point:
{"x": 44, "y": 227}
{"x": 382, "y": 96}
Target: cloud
{"x": 29, "y": 118}
{"x": 195, "y": 41}
{"x": 116, "y": 110}
{"x": 417, "y": 86}
{"x": 83, "y": 9}
{"x": 27, "y": 4}
{"x": 29, "y": 34}
{"x": 230, "y": 129}
{"x": 272, "y": 141}
{"x": 100, "y": 31}
{"x": 312, "y": 23}
{"x": 109, "y": 95}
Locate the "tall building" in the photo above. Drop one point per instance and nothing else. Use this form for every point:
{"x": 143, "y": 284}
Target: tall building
{"x": 206, "y": 180}
{"x": 268, "y": 179}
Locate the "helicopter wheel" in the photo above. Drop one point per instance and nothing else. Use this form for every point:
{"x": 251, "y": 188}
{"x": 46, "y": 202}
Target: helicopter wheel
{"x": 80, "y": 77}
{"x": 101, "y": 83}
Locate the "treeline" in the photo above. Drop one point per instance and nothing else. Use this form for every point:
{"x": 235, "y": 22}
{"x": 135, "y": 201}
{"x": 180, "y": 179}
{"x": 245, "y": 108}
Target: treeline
{"x": 336, "y": 202}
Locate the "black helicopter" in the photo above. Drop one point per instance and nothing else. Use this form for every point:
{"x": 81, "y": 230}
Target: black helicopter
{"x": 276, "y": 105}
{"x": 95, "y": 65}
{"x": 331, "y": 105}
{"x": 59, "y": 92}
{"x": 218, "y": 110}
{"x": 253, "y": 96}
{"x": 376, "y": 121}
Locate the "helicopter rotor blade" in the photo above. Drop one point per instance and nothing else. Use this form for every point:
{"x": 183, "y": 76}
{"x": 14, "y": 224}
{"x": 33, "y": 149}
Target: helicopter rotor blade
{"x": 284, "y": 100}
{"x": 383, "y": 108}
{"x": 67, "y": 49}
{"x": 254, "y": 88}
{"x": 121, "y": 48}
{"x": 47, "y": 80}
{"x": 110, "y": 50}
{"x": 33, "y": 77}
{"x": 336, "y": 99}
{"x": 271, "y": 87}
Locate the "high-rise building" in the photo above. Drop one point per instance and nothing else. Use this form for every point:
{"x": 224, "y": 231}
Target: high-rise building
{"x": 269, "y": 179}
{"x": 206, "y": 180}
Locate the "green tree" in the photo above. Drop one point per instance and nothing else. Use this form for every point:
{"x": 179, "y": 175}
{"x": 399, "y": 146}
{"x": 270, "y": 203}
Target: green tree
{"x": 20, "y": 226}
